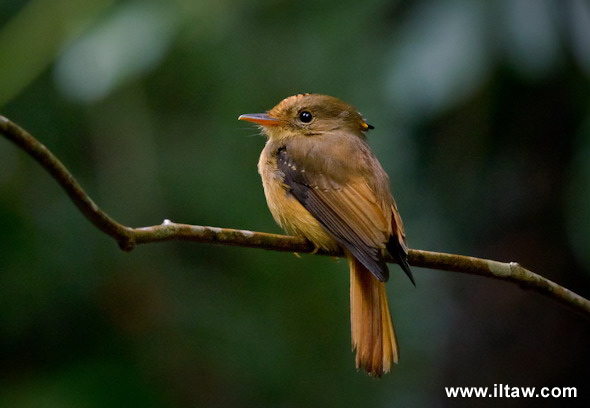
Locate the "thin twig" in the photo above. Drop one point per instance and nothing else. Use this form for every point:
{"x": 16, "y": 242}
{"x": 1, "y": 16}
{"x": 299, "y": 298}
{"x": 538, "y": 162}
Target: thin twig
{"x": 128, "y": 238}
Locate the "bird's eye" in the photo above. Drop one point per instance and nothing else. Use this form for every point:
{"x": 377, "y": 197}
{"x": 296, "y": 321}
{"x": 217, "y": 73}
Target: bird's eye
{"x": 305, "y": 117}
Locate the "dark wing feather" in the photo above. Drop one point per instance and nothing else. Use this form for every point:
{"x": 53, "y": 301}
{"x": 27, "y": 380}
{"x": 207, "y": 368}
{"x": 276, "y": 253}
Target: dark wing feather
{"x": 397, "y": 244}
{"x": 400, "y": 254}
{"x": 350, "y": 212}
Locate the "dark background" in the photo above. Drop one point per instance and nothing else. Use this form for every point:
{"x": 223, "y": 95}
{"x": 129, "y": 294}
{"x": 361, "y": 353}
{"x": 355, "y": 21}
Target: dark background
{"x": 482, "y": 121}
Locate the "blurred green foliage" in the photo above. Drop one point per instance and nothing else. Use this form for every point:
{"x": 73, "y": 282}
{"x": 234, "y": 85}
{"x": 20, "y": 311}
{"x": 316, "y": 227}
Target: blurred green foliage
{"x": 482, "y": 121}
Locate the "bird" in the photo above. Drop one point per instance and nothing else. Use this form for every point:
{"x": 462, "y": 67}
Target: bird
{"x": 322, "y": 181}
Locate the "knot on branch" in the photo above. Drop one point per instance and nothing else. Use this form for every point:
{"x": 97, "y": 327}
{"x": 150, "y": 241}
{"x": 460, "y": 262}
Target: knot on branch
{"x": 127, "y": 241}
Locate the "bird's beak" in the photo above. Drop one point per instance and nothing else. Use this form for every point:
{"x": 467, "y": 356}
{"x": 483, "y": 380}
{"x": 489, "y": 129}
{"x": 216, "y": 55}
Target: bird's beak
{"x": 260, "y": 118}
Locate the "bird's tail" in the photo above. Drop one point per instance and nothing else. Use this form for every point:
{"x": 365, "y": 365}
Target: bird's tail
{"x": 372, "y": 330}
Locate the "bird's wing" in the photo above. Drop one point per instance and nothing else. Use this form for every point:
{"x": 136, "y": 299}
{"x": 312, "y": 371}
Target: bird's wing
{"x": 348, "y": 207}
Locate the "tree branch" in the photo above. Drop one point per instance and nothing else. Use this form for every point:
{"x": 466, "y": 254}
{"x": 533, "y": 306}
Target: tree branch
{"x": 128, "y": 237}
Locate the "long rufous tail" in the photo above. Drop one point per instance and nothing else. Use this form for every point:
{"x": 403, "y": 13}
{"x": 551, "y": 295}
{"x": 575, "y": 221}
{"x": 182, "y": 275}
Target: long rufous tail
{"x": 372, "y": 330}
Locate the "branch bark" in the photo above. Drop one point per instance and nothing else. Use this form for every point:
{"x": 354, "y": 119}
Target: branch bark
{"x": 128, "y": 237}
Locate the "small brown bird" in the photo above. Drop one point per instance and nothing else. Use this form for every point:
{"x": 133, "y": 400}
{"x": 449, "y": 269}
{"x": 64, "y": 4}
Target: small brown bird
{"x": 322, "y": 181}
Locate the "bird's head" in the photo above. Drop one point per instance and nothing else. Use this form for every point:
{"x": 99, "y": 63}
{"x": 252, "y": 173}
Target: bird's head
{"x": 309, "y": 115}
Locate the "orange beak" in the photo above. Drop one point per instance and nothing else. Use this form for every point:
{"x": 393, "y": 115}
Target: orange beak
{"x": 260, "y": 118}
